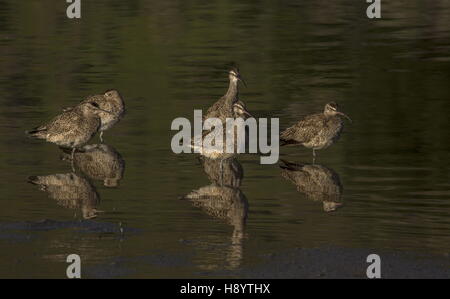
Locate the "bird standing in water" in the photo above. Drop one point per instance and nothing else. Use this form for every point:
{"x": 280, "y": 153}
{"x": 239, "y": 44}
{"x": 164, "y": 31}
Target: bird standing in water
{"x": 110, "y": 101}
{"x": 316, "y": 131}
{"x": 228, "y": 106}
{"x": 218, "y": 151}
{"x": 72, "y": 128}
{"x": 223, "y": 108}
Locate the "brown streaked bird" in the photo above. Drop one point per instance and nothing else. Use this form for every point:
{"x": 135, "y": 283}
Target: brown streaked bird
{"x": 316, "y": 131}
{"x": 110, "y": 101}
{"x": 317, "y": 182}
{"x": 72, "y": 128}
{"x": 99, "y": 162}
{"x": 223, "y": 108}
{"x": 239, "y": 110}
{"x": 70, "y": 191}
{"x": 228, "y": 106}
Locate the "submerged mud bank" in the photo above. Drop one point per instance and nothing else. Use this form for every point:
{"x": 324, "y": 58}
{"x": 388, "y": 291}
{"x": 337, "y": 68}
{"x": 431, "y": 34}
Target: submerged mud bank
{"x": 336, "y": 262}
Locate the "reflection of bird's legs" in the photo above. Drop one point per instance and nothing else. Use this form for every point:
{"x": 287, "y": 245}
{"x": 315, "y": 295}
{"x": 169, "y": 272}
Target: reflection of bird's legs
{"x": 101, "y": 136}
{"x": 72, "y": 159}
{"x": 236, "y": 249}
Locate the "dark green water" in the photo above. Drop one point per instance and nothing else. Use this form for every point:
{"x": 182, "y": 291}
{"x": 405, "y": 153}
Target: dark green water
{"x": 167, "y": 58}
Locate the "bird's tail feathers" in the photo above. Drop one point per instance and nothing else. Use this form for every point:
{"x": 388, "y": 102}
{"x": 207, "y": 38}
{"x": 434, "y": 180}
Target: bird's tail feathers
{"x": 287, "y": 142}
{"x": 36, "y": 133}
{"x": 33, "y": 180}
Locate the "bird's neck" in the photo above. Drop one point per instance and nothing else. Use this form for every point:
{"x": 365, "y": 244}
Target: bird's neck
{"x": 332, "y": 117}
{"x": 232, "y": 91}
{"x": 328, "y": 115}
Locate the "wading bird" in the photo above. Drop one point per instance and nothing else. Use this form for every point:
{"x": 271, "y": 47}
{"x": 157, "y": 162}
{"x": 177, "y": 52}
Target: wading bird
{"x": 218, "y": 148}
{"x": 223, "y": 108}
{"x": 72, "y": 128}
{"x": 316, "y": 131}
{"x": 110, "y": 101}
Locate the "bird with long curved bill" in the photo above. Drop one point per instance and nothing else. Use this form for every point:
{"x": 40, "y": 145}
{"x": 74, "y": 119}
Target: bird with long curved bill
{"x": 316, "y": 131}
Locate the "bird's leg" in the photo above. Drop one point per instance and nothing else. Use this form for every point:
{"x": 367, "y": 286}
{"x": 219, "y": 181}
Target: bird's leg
{"x": 314, "y": 156}
{"x": 101, "y": 136}
{"x": 221, "y": 172}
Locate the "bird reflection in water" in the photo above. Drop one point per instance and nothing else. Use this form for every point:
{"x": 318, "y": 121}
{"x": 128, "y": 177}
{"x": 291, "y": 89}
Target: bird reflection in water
{"x": 70, "y": 191}
{"x": 223, "y": 199}
{"x": 231, "y": 173}
{"x": 317, "y": 182}
{"x": 75, "y": 190}
{"x": 98, "y": 162}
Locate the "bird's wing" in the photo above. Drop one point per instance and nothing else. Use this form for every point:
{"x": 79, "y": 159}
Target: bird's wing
{"x": 64, "y": 121}
{"x": 304, "y": 130}
{"x": 91, "y": 98}
{"x": 212, "y": 111}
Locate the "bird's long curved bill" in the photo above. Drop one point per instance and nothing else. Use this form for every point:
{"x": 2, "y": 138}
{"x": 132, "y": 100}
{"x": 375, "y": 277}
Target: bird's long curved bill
{"x": 247, "y": 113}
{"x": 344, "y": 115}
{"x": 242, "y": 80}
{"x": 106, "y": 111}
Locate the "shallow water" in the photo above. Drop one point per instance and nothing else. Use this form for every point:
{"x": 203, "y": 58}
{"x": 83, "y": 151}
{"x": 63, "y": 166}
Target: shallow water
{"x": 167, "y": 59}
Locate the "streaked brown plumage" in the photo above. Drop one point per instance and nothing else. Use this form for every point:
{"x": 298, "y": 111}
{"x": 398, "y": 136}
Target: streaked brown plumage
{"x": 239, "y": 111}
{"x": 71, "y": 129}
{"x": 110, "y": 101}
{"x": 316, "y": 131}
{"x": 317, "y": 182}
{"x": 223, "y": 108}
{"x": 70, "y": 191}
{"x": 99, "y": 162}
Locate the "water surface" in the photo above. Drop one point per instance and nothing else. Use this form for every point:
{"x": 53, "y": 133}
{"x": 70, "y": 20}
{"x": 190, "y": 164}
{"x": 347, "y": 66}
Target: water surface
{"x": 168, "y": 58}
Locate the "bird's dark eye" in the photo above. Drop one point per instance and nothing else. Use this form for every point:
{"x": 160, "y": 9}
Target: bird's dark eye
{"x": 94, "y": 104}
